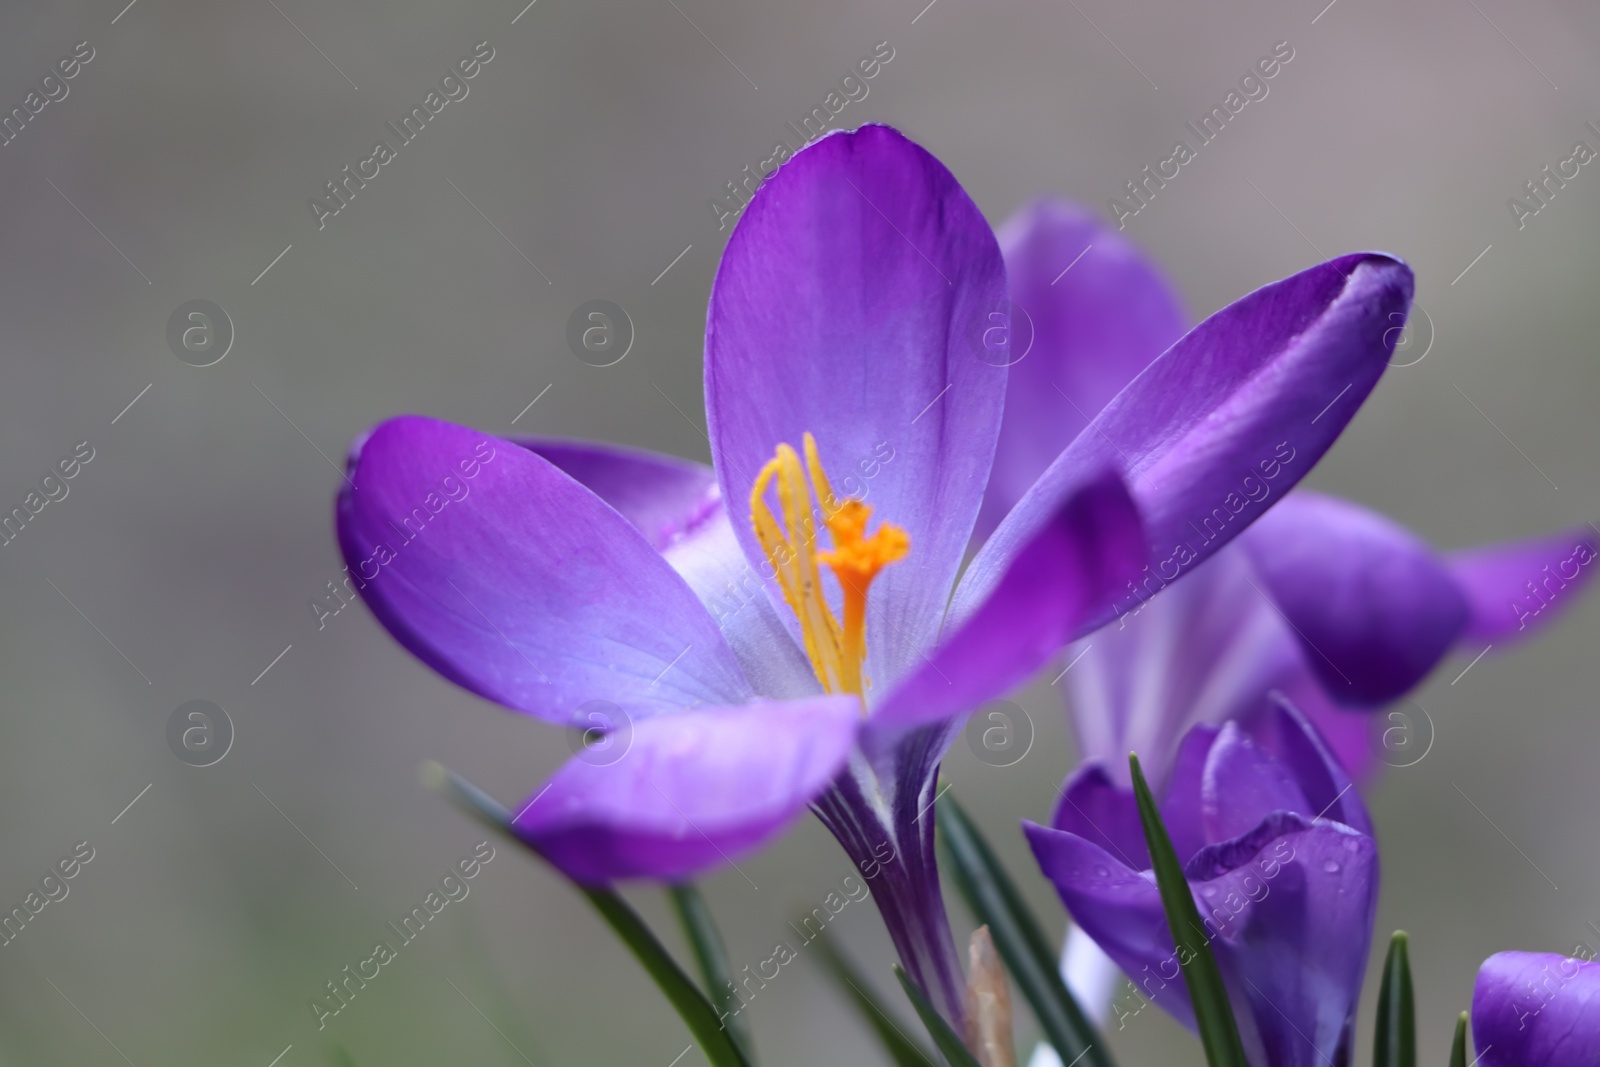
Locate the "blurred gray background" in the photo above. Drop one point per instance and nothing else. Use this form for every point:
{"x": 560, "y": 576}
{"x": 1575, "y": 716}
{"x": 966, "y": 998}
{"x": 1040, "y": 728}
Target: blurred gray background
{"x": 182, "y": 561}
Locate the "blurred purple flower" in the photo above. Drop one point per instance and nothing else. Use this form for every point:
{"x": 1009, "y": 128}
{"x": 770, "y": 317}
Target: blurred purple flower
{"x": 1279, "y": 852}
{"x": 1537, "y": 1009}
{"x": 1327, "y": 602}
{"x": 858, "y": 324}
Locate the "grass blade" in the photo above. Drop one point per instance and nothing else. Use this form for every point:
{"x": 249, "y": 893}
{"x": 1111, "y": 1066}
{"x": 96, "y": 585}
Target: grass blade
{"x": 994, "y": 899}
{"x": 944, "y": 1038}
{"x": 902, "y": 1050}
{"x": 712, "y": 957}
{"x": 1219, "y": 1032}
{"x": 696, "y": 1012}
{"x": 1395, "y": 1044}
{"x": 1458, "y": 1051}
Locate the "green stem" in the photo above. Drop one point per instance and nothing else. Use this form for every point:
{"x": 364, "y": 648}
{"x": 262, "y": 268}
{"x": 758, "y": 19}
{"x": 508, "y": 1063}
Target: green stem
{"x": 994, "y": 899}
{"x": 901, "y": 1049}
{"x": 1219, "y": 1032}
{"x": 715, "y": 1042}
{"x": 712, "y": 957}
{"x": 1395, "y": 1043}
{"x": 948, "y": 1041}
{"x": 1458, "y": 1051}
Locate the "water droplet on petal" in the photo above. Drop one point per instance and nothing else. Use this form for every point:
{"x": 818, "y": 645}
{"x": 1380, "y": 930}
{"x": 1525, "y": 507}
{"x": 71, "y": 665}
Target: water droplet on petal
{"x": 1331, "y": 866}
{"x": 1102, "y": 872}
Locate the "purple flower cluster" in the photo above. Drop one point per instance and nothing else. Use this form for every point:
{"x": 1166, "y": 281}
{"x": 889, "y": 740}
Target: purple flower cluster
{"x": 854, "y": 311}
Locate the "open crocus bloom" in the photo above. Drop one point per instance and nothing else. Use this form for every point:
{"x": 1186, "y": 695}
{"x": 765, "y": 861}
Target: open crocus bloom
{"x": 1278, "y": 850}
{"x": 1536, "y": 1009}
{"x": 785, "y": 629}
{"x": 1325, "y": 601}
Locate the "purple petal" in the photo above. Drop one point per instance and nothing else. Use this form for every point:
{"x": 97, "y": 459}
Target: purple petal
{"x": 852, "y": 302}
{"x": 1374, "y": 607}
{"x": 1293, "y": 904}
{"x": 1243, "y": 784}
{"x": 689, "y": 791}
{"x": 1289, "y": 906}
{"x": 678, "y": 506}
{"x": 1206, "y": 650}
{"x": 1104, "y": 813}
{"x": 1119, "y": 908}
{"x": 1096, "y": 312}
{"x": 886, "y": 828}
{"x": 1516, "y": 587}
{"x": 1181, "y": 809}
{"x": 514, "y": 581}
{"x": 1074, "y": 564}
{"x": 1233, "y": 415}
{"x": 1286, "y": 732}
{"x": 1537, "y": 1009}
{"x": 1351, "y": 735}
{"x": 665, "y": 497}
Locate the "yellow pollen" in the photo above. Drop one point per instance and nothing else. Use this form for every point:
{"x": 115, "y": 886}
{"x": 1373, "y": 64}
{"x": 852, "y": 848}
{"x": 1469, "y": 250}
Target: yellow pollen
{"x": 836, "y": 650}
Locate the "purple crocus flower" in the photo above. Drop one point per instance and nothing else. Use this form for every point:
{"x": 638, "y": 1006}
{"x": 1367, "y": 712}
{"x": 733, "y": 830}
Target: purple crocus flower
{"x": 1323, "y": 600}
{"x": 855, "y": 373}
{"x": 1279, "y": 852}
{"x": 1537, "y": 1009}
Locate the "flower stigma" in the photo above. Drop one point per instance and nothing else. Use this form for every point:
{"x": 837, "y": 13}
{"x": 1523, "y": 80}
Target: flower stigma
{"x": 836, "y": 650}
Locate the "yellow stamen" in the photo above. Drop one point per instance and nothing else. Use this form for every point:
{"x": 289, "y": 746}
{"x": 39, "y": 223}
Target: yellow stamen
{"x": 836, "y": 650}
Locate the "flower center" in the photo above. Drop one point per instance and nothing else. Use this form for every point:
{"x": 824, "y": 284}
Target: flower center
{"x": 837, "y": 650}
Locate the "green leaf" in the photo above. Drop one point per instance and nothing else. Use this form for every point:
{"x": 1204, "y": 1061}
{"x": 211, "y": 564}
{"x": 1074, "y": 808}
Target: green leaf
{"x": 1219, "y": 1033}
{"x": 715, "y": 1042}
{"x": 944, "y": 1038}
{"x": 712, "y": 957}
{"x": 994, "y": 899}
{"x": 1395, "y": 1044}
{"x": 902, "y": 1050}
{"x": 1458, "y": 1051}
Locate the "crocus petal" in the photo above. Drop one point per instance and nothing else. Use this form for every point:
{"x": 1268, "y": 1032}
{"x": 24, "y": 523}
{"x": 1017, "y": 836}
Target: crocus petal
{"x": 1225, "y": 421}
{"x": 852, "y": 302}
{"x": 1516, "y": 587}
{"x": 1206, "y": 650}
{"x": 1118, "y": 907}
{"x": 678, "y": 506}
{"x": 689, "y": 791}
{"x": 1294, "y": 902}
{"x": 1096, "y": 808}
{"x": 1325, "y": 780}
{"x": 663, "y": 496}
{"x": 1242, "y": 785}
{"x": 1536, "y": 1009}
{"x": 1181, "y": 809}
{"x": 1374, "y": 607}
{"x": 1075, "y": 563}
{"x": 514, "y": 581}
{"x": 1091, "y": 311}
{"x": 1353, "y": 738}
